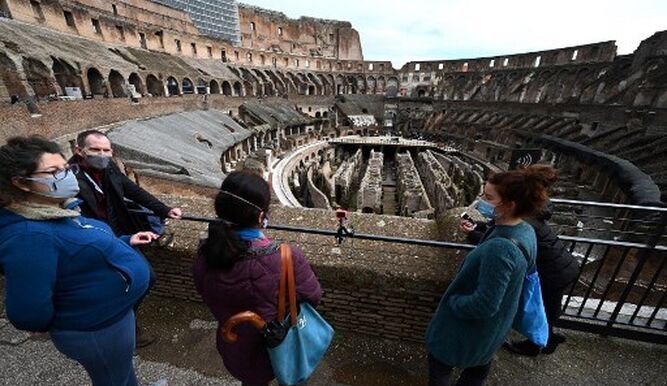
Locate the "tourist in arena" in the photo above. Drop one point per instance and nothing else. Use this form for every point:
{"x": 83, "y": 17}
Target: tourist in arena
{"x": 477, "y": 310}
{"x": 238, "y": 268}
{"x": 67, "y": 274}
{"x": 557, "y": 269}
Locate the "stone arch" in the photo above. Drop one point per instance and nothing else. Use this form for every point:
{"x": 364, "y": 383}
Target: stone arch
{"x": 10, "y": 76}
{"x": 278, "y": 83}
{"x": 249, "y": 89}
{"x": 541, "y": 86}
{"x": 154, "y": 86}
{"x": 187, "y": 86}
{"x": 237, "y": 89}
{"x": 268, "y": 89}
{"x": 117, "y": 83}
{"x": 251, "y": 84}
{"x": 201, "y": 86}
{"x": 95, "y": 82}
{"x": 172, "y": 86}
{"x": 562, "y": 86}
{"x": 352, "y": 86}
{"x": 580, "y": 82}
{"x": 66, "y": 75}
{"x": 226, "y": 88}
{"x": 214, "y": 87}
{"x": 319, "y": 90}
{"x": 326, "y": 87}
{"x": 38, "y": 76}
{"x": 298, "y": 84}
{"x": 289, "y": 82}
{"x": 392, "y": 86}
{"x": 380, "y": 85}
{"x": 135, "y": 81}
{"x": 361, "y": 84}
{"x": 371, "y": 87}
{"x": 340, "y": 85}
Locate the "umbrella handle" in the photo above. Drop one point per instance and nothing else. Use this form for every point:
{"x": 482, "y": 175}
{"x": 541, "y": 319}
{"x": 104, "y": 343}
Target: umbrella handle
{"x": 228, "y": 334}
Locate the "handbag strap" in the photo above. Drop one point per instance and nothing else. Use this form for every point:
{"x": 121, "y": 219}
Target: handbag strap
{"x": 523, "y": 250}
{"x": 286, "y": 286}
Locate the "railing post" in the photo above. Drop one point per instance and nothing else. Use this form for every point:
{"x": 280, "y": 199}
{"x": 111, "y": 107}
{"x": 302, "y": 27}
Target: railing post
{"x": 643, "y": 256}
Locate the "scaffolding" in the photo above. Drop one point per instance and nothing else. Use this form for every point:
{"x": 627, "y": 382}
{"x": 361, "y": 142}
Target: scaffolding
{"x": 217, "y": 18}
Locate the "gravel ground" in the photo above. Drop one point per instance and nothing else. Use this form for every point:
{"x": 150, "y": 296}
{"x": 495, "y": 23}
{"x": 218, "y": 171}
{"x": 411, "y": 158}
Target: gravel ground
{"x": 185, "y": 355}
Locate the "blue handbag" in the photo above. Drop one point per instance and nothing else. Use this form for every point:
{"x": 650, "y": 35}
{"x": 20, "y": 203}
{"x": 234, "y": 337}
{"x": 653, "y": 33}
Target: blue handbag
{"x": 307, "y": 335}
{"x": 531, "y": 319}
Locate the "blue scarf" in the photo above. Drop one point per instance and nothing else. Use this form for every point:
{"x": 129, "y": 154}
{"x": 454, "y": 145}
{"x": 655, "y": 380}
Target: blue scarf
{"x": 250, "y": 234}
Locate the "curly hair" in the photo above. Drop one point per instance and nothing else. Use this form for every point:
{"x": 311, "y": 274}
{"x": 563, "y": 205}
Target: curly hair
{"x": 20, "y": 157}
{"x": 527, "y": 187}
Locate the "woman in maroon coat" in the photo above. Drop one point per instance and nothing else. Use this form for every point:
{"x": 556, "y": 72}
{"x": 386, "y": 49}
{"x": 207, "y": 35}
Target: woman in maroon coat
{"x": 238, "y": 268}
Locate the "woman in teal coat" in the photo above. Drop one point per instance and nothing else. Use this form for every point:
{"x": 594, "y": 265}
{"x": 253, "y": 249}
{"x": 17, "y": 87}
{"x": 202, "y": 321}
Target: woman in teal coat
{"x": 476, "y": 312}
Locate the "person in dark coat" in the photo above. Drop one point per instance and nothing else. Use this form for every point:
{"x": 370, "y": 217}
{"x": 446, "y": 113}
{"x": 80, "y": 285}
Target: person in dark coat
{"x": 556, "y": 267}
{"x": 104, "y": 188}
{"x": 237, "y": 269}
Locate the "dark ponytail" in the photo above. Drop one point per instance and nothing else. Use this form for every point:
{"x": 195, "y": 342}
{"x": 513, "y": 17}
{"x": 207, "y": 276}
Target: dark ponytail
{"x": 242, "y": 197}
{"x": 223, "y": 247}
{"x": 527, "y": 188}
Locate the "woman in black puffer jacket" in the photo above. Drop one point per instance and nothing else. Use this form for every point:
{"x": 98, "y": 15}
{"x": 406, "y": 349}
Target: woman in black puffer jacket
{"x": 557, "y": 268}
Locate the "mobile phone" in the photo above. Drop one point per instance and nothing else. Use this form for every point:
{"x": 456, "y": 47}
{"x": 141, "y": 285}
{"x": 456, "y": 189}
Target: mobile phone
{"x": 465, "y": 216}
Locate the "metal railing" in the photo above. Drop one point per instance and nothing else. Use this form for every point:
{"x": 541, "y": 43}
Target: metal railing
{"x": 621, "y": 288}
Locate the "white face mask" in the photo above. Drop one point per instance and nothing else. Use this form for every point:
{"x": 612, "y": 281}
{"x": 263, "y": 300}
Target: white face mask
{"x": 62, "y": 185}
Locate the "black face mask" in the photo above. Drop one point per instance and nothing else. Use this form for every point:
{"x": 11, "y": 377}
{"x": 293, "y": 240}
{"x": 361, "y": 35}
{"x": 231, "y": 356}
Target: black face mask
{"x": 98, "y": 162}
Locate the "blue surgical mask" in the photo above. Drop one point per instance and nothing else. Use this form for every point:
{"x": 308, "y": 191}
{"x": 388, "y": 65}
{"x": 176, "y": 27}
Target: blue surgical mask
{"x": 486, "y": 209}
{"x": 62, "y": 185}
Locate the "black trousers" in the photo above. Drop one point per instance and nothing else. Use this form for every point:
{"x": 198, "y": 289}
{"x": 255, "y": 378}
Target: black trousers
{"x": 552, "y": 298}
{"x": 440, "y": 374}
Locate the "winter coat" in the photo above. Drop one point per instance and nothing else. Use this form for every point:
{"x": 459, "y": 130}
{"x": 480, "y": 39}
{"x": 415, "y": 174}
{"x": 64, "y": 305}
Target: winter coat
{"x": 477, "y": 310}
{"x": 117, "y": 186}
{"x": 251, "y": 285}
{"x": 68, "y": 274}
{"x": 555, "y": 264}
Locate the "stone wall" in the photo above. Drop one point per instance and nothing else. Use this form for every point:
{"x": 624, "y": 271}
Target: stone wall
{"x": 316, "y": 197}
{"x": 346, "y": 176}
{"x": 412, "y": 197}
{"x": 443, "y": 193}
{"x": 382, "y": 289}
{"x": 626, "y": 144}
{"x": 69, "y": 117}
{"x": 273, "y": 31}
{"x": 370, "y": 190}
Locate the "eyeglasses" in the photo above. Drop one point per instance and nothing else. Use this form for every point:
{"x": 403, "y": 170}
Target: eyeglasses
{"x": 59, "y": 174}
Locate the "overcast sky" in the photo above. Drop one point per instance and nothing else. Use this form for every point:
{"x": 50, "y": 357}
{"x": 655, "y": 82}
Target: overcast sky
{"x": 404, "y": 30}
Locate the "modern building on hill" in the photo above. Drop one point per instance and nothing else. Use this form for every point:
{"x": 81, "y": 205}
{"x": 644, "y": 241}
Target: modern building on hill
{"x": 217, "y": 18}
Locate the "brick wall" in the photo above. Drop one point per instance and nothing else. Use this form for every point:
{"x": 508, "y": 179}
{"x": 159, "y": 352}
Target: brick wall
{"x": 60, "y": 118}
{"x": 380, "y": 289}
